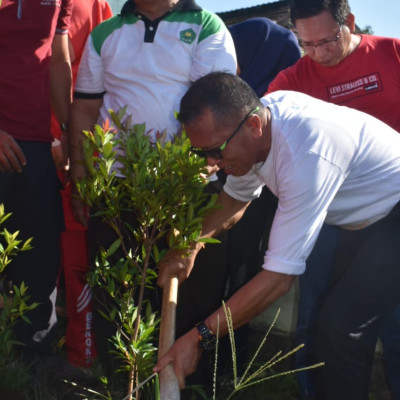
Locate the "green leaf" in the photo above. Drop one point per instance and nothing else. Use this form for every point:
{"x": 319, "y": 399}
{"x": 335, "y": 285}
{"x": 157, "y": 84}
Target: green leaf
{"x": 209, "y": 240}
{"x": 114, "y": 247}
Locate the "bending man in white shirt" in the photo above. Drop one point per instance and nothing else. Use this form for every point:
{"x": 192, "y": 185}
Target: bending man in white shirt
{"x": 324, "y": 163}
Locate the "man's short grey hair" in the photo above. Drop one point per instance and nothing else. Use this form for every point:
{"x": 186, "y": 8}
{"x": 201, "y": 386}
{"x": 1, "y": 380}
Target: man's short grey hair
{"x": 227, "y": 96}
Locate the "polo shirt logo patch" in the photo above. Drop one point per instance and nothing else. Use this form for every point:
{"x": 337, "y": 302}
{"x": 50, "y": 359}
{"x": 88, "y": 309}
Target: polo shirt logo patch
{"x": 188, "y": 36}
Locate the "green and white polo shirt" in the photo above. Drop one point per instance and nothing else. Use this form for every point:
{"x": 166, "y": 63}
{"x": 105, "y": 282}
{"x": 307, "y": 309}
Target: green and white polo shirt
{"x": 147, "y": 65}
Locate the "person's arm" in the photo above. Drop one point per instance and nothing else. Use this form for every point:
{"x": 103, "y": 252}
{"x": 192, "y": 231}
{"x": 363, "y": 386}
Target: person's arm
{"x": 180, "y": 262}
{"x": 84, "y": 114}
{"x": 61, "y": 86}
{"x": 244, "y": 305}
{"x": 12, "y": 158}
{"x": 60, "y": 77}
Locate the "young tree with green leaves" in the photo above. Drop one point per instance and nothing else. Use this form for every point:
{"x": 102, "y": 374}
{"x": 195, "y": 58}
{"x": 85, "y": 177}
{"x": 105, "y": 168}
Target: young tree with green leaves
{"x": 161, "y": 186}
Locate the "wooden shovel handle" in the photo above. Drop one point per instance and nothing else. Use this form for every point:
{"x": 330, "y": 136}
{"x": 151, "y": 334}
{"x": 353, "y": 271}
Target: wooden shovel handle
{"x": 169, "y": 386}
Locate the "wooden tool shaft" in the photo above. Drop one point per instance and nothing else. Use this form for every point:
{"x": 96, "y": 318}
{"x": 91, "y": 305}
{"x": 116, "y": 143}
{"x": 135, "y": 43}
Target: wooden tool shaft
{"x": 169, "y": 386}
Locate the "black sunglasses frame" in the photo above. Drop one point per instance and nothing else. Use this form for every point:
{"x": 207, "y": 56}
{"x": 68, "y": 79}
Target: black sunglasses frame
{"x": 216, "y": 153}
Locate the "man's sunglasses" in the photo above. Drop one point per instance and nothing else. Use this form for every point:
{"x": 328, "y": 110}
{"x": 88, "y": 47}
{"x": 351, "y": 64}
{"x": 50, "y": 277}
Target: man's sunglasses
{"x": 216, "y": 153}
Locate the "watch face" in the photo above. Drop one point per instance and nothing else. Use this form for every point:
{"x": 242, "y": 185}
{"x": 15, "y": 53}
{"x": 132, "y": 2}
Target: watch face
{"x": 207, "y": 338}
{"x": 209, "y": 343}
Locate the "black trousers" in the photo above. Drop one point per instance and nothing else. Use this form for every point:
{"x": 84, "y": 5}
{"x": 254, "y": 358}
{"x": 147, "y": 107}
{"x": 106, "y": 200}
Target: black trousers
{"x": 33, "y": 197}
{"x": 364, "y": 290}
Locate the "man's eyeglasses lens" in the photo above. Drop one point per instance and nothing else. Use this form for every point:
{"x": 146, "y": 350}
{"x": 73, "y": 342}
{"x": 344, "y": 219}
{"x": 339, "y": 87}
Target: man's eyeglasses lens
{"x": 311, "y": 46}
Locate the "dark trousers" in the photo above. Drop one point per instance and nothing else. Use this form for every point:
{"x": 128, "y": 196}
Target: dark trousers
{"x": 247, "y": 242}
{"x": 100, "y": 235}
{"x": 33, "y": 198}
{"x": 314, "y": 287}
{"x": 364, "y": 291}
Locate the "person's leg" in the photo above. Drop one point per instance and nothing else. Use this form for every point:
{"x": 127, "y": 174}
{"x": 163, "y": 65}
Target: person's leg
{"x": 313, "y": 286}
{"x": 33, "y": 198}
{"x": 245, "y": 253}
{"x": 390, "y": 337}
{"x": 79, "y": 339}
{"x": 100, "y": 235}
{"x": 365, "y": 291}
{"x": 244, "y": 241}
{"x": 200, "y": 295}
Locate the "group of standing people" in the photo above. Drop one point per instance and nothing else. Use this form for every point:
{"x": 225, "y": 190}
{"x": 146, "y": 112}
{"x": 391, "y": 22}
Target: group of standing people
{"x": 330, "y": 172}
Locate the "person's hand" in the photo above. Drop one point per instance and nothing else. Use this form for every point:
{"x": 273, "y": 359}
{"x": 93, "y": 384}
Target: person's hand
{"x": 79, "y": 209}
{"x": 184, "y": 355}
{"x": 59, "y": 151}
{"x": 209, "y": 170}
{"x": 176, "y": 263}
{"x": 12, "y": 158}
{"x": 57, "y": 154}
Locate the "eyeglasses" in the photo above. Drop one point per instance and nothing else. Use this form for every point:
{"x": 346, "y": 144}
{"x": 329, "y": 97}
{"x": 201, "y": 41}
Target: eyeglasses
{"x": 309, "y": 46}
{"x": 216, "y": 153}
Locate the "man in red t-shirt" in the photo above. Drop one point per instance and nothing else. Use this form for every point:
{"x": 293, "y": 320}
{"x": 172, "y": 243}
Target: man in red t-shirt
{"x": 358, "y": 71}
{"x": 30, "y": 31}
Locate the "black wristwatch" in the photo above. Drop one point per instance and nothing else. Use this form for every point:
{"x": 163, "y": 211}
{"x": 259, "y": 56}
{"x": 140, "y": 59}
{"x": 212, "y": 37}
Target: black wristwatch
{"x": 206, "y": 338}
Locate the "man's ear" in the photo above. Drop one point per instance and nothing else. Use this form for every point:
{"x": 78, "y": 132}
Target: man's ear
{"x": 255, "y": 123}
{"x": 351, "y": 22}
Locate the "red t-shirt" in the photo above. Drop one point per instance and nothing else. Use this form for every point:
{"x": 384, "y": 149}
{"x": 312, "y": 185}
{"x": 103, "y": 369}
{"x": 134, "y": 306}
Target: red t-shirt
{"x": 367, "y": 80}
{"x": 85, "y": 16}
{"x": 27, "y": 29}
